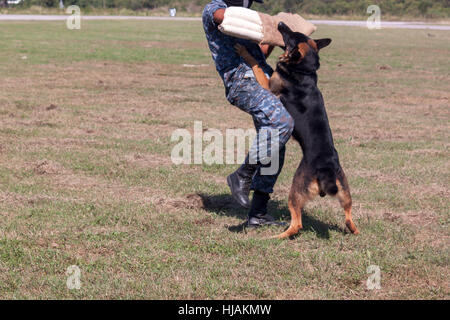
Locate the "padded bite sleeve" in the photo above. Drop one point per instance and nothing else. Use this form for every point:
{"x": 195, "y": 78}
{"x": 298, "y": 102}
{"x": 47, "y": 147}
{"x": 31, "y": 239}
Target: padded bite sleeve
{"x": 242, "y": 23}
{"x": 294, "y": 21}
{"x": 260, "y": 27}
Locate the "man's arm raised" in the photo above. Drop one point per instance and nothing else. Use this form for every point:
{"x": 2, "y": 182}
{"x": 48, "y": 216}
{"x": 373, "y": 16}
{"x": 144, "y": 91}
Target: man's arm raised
{"x": 218, "y": 19}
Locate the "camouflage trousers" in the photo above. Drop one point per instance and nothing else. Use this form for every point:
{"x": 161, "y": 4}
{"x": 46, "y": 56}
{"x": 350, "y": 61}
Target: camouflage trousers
{"x": 269, "y": 117}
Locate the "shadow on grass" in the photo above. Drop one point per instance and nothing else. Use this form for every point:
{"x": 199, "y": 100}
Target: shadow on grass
{"x": 224, "y": 204}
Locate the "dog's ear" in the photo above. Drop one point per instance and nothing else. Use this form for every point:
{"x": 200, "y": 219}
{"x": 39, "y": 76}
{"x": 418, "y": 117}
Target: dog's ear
{"x": 295, "y": 55}
{"x": 302, "y": 49}
{"x": 322, "y": 43}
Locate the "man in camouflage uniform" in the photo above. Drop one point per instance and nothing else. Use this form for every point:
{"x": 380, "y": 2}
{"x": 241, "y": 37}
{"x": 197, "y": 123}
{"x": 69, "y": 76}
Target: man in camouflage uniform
{"x": 243, "y": 91}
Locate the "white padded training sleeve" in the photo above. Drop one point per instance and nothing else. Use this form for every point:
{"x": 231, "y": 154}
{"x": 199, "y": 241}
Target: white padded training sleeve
{"x": 243, "y": 13}
{"x": 242, "y": 23}
{"x": 239, "y": 23}
{"x": 242, "y": 33}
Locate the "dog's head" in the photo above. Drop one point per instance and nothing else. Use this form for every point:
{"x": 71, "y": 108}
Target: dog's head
{"x": 301, "y": 52}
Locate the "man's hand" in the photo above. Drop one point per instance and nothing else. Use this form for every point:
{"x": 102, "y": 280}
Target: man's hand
{"x": 219, "y": 15}
{"x": 266, "y": 49}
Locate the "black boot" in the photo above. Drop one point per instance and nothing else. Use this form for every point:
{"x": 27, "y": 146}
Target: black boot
{"x": 258, "y": 215}
{"x": 240, "y": 182}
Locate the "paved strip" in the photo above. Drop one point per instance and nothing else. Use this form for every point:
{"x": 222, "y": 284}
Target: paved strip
{"x": 384, "y": 24}
{"x": 34, "y": 17}
{"x": 351, "y": 23}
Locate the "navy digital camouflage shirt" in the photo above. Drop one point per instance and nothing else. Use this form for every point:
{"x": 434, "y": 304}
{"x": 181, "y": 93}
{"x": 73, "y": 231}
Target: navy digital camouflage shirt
{"x": 227, "y": 61}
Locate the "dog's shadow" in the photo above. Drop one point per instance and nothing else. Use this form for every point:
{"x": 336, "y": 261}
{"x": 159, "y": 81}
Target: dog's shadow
{"x": 224, "y": 204}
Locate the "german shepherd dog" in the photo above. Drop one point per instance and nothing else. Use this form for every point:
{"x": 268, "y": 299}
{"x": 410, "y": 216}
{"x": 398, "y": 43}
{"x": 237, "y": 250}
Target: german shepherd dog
{"x": 295, "y": 82}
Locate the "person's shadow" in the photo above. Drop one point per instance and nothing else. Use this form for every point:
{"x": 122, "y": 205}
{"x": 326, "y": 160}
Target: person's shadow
{"x": 224, "y": 204}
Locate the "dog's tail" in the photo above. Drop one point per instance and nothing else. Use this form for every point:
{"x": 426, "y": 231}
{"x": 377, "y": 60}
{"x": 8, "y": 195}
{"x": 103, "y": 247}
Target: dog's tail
{"x": 327, "y": 181}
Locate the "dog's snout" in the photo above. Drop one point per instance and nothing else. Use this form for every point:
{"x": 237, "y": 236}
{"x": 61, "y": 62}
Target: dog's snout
{"x": 281, "y": 26}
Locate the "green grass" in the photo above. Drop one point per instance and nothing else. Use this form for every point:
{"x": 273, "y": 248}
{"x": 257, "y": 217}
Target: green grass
{"x": 90, "y": 182}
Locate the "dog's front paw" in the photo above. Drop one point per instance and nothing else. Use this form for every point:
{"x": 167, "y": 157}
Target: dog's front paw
{"x": 241, "y": 50}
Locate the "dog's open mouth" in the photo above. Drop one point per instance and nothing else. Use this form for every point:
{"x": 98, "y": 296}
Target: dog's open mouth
{"x": 284, "y": 57}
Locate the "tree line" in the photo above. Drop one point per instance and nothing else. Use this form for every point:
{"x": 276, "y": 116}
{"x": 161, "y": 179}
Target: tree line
{"x": 418, "y": 8}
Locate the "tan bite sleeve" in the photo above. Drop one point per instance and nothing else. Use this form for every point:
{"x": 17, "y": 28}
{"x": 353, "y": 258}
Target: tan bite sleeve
{"x": 260, "y": 27}
{"x": 272, "y": 36}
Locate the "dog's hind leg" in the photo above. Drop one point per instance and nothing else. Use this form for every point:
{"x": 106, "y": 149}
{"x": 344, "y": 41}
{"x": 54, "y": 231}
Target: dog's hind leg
{"x": 345, "y": 199}
{"x": 295, "y": 207}
{"x": 301, "y": 192}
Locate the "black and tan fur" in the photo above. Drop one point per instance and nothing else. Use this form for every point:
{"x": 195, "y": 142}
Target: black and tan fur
{"x": 295, "y": 82}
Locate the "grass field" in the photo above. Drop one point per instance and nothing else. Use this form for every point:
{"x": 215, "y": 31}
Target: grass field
{"x": 86, "y": 178}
